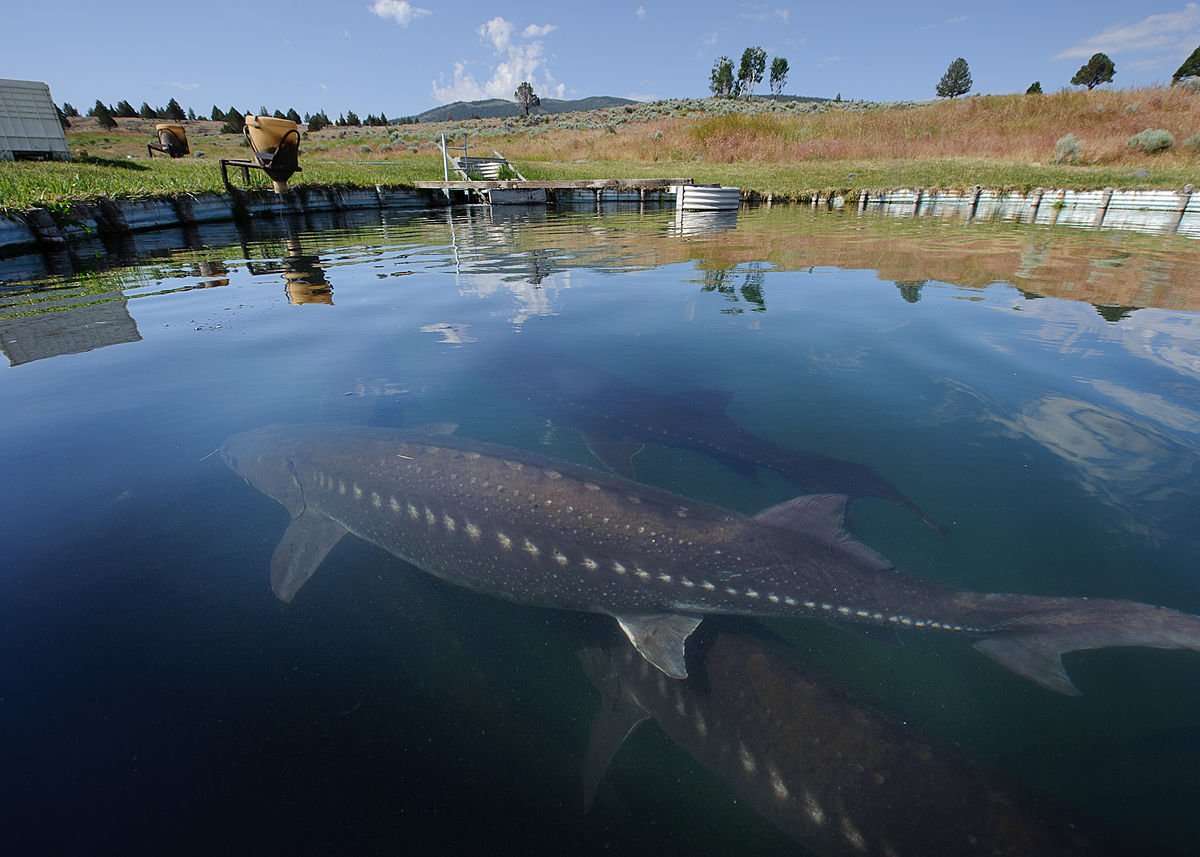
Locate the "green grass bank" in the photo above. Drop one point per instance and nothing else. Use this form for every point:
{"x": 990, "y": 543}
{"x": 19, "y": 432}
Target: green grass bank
{"x": 56, "y": 185}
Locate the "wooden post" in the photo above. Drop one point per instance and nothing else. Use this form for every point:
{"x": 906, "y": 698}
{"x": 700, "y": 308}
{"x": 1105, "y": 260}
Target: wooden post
{"x": 1105, "y": 199}
{"x": 974, "y": 202}
{"x": 1184, "y": 197}
{"x": 1037, "y": 195}
{"x": 1059, "y": 205}
{"x": 917, "y": 202}
{"x": 862, "y": 201}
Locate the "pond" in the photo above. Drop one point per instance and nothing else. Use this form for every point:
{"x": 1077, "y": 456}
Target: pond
{"x": 996, "y": 408}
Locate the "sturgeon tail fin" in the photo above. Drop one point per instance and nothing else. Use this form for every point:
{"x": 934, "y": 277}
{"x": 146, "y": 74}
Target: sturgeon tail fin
{"x": 1032, "y": 645}
{"x": 1037, "y": 657}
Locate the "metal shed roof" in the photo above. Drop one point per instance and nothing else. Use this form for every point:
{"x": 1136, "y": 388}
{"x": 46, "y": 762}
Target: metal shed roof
{"x": 29, "y": 121}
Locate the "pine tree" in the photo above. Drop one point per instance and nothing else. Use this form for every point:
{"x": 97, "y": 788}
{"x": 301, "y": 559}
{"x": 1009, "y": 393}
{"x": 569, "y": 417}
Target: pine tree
{"x": 103, "y": 115}
{"x": 125, "y": 109}
{"x": 1035, "y": 88}
{"x": 1099, "y": 69}
{"x": 294, "y": 116}
{"x": 1190, "y": 68}
{"x": 263, "y": 111}
{"x": 352, "y": 119}
{"x": 69, "y": 110}
{"x": 779, "y": 73}
{"x": 526, "y": 97}
{"x": 383, "y": 120}
{"x": 279, "y": 114}
{"x": 720, "y": 79}
{"x": 751, "y": 70}
{"x": 147, "y": 112}
{"x": 956, "y": 81}
{"x": 234, "y": 121}
{"x": 191, "y": 115}
{"x": 173, "y": 111}
{"x": 217, "y": 115}
{"x": 62, "y": 118}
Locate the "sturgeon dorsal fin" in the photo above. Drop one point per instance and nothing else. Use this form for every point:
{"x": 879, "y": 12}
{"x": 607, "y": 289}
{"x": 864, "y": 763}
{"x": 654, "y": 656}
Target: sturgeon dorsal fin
{"x": 1037, "y": 657}
{"x": 308, "y": 540}
{"x": 811, "y": 513}
{"x": 660, "y": 638}
{"x": 822, "y": 516}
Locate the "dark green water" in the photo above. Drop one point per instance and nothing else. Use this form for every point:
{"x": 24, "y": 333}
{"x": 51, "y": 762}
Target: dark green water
{"x": 1035, "y": 392}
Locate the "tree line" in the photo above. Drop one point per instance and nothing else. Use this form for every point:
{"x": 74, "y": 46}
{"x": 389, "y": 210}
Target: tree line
{"x": 233, "y": 119}
{"x": 724, "y": 83}
{"x": 1097, "y": 70}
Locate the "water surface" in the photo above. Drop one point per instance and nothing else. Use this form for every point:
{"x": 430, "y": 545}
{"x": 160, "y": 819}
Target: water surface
{"x": 1035, "y": 391}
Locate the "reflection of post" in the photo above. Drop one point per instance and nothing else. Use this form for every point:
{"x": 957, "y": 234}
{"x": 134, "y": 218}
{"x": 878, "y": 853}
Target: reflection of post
{"x": 304, "y": 276}
{"x": 213, "y": 274}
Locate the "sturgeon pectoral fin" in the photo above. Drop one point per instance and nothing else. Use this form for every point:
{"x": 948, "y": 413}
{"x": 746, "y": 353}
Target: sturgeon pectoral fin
{"x": 300, "y": 552}
{"x": 1037, "y": 657}
{"x": 660, "y": 638}
{"x": 615, "y": 722}
{"x": 824, "y": 517}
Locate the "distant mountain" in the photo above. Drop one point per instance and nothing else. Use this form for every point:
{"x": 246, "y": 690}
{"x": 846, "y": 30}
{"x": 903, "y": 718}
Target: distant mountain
{"x": 491, "y": 108}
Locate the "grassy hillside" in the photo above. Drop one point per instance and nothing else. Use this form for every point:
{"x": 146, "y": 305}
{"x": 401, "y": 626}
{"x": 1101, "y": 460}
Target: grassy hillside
{"x": 786, "y": 148}
{"x": 491, "y": 108}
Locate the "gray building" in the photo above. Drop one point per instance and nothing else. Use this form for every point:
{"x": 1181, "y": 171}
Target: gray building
{"x": 29, "y": 126}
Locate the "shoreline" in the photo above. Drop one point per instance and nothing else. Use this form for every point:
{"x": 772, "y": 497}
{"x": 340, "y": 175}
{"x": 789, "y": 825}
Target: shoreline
{"x": 47, "y": 229}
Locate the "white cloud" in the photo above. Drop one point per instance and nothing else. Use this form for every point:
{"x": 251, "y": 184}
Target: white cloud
{"x": 640, "y": 12}
{"x": 1155, "y": 32}
{"x": 760, "y": 13}
{"x": 497, "y": 31}
{"x": 515, "y": 62}
{"x": 400, "y": 11}
{"x": 957, "y": 19}
{"x": 186, "y": 87}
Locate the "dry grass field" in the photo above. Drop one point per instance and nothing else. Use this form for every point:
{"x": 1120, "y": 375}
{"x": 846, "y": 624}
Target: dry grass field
{"x": 786, "y": 149}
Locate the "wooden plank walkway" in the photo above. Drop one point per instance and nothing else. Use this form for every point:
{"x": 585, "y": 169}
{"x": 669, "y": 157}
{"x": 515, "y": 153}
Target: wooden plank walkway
{"x": 552, "y": 184}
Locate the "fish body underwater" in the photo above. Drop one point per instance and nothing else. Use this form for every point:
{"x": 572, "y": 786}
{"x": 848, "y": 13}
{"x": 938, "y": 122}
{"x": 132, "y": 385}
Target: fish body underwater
{"x": 617, "y": 418}
{"x": 834, "y": 775}
{"x": 536, "y": 531}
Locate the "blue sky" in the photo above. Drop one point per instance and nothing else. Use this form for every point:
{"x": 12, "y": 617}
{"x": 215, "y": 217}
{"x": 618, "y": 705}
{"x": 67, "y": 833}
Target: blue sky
{"x": 403, "y": 56}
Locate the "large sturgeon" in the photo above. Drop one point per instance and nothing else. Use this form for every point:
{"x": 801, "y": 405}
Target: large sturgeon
{"x": 519, "y": 526}
{"x": 618, "y": 418}
{"x": 840, "y": 778}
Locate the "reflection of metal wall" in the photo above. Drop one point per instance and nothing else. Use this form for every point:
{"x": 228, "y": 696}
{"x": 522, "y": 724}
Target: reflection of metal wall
{"x": 60, "y": 328}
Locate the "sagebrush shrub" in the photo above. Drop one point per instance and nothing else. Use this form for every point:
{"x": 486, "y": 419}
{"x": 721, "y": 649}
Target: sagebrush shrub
{"x": 1152, "y": 141}
{"x": 1068, "y": 150}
